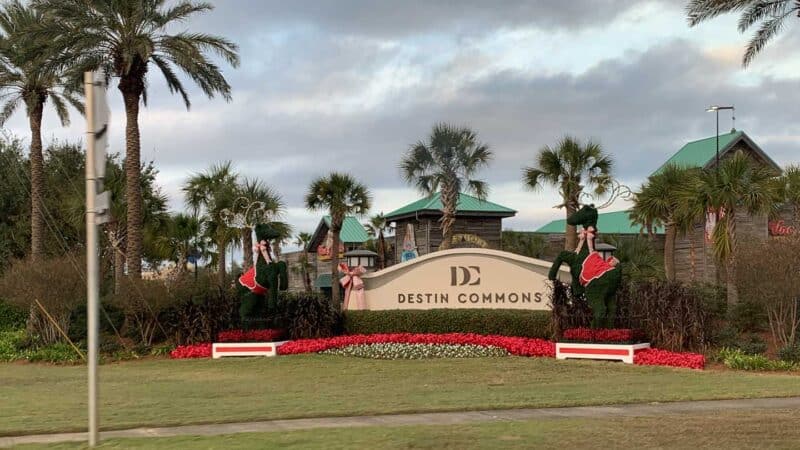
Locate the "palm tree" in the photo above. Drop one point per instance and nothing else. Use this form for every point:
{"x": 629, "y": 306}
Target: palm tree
{"x": 257, "y": 203}
{"x": 376, "y": 227}
{"x": 124, "y": 38}
{"x": 741, "y": 186}
{"x": 660, "y": 203}
{"x": 571, "y": 167}
{"x": 284, "y": 234}
{"x": 790, "y": 190}
{"x": 26, "y": 76}
{"x": 341, "y": 195}
{"x": 181, "y": 240}
{"x": 768, "y": 14}
{"x": 303, "y": 240}
{"x": 447, "y": 163}
{"x": 210, "y": 193}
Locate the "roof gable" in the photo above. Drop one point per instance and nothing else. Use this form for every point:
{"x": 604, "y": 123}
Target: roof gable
{"x": 466, "y": 204}
{"x": 353, "y": 232}
{"x": 702, "y": 153}
{"x": 617, "y": 222}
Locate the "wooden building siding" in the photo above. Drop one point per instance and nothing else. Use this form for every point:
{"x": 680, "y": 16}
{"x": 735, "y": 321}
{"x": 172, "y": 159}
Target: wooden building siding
{"x": 428, "y": 232}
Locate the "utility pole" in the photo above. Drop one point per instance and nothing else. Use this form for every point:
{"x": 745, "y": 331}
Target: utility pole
{"x": 97, "y": 207}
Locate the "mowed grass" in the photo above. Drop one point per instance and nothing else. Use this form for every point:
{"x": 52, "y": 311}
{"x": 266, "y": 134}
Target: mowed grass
{"x": 758, "y": 429}
{"x": 40, "y": 398}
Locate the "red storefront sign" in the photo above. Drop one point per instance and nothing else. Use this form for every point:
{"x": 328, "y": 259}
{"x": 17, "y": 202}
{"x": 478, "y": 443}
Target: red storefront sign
{"x": 779, "y": 228}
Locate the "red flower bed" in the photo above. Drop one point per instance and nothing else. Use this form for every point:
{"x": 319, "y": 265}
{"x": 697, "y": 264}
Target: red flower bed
{"x": 202, "y": 350}
{"x": 515, "y": 345}
{"x": 603, "y": 335}
{"x": 251, "y": 335}
{"x": 656, "y": 357}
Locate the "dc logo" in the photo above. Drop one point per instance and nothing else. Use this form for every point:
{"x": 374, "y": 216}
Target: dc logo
{"x": 461, "y": 275}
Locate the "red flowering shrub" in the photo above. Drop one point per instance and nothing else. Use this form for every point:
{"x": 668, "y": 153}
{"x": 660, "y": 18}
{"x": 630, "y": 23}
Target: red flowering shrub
{"x": 656, "y": 357}
{"x": 250, "y": 336}
{"x": 202, "y": 350}
{"x": 603, "y": 335}
{"x": 515, "y": 345}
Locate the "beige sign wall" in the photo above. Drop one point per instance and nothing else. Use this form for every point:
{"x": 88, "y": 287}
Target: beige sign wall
{"x": 461, "y": 278}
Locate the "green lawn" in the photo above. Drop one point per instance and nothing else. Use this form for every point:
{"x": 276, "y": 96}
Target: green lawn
{"x": 745, "y": 429}
{"x": 41, "y": 398}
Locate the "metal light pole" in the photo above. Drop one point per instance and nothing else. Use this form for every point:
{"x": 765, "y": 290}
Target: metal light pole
{"x": 97, "y": 207}
{"x": 715, "y": 109}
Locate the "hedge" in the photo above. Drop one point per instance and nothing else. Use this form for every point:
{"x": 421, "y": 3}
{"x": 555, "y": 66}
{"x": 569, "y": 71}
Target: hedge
{"x": 505, "y": 322}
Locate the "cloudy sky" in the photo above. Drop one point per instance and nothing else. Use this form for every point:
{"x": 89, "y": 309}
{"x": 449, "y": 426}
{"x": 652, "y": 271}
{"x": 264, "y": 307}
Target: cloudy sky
{"x": 351, "y": 84}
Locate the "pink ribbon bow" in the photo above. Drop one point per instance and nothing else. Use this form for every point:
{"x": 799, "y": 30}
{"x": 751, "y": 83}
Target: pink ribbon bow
{"x": 262, "y": 247}
{"x": 353, "y": 284}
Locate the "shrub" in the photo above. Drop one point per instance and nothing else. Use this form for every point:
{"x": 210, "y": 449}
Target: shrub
{"x": 504, "y": 322}
{"x": 751, "y": 344}
{"x": 143, "y": 302}
{"x": 790, "y": 353}
{"x": 308, "y": 315}
{"x": 766, "y": 274}
{"x": 617, "y": 335}
{"x": 199, "y": 310}
{"x": 11, "y": 343}
{"x": 748, "y": 317}
{"x": 11, "y": 317}
{"x": 56, "y": 283}
{"x": 673, "y": 315}
{"x": 59, "y": 352}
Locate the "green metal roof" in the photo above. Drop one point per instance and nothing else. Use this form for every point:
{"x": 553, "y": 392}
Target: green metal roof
{"x": 466, "y": 204}
{"x": 701, "y": 152}
{"x": 352, "y": 230}
{"x": 608, "y": 223}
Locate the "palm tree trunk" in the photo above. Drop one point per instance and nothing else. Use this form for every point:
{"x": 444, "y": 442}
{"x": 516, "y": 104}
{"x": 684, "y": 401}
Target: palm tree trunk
{"x": 306, "y": 266}
{"x": 336, "y": 228}
{"x": 119, "y": 267}
{"x": 570, "y": 233}
{"x": 730, "y": 264}
{"x": 133, "y": 190}
{"x": 381, "y": 250}
{"x": 669, "y": 251}
{"x": 37, "y": 180}
{"x": 221, "y": 273}
{"x": 449, "y": 205}
{"x": 247, "y": 246}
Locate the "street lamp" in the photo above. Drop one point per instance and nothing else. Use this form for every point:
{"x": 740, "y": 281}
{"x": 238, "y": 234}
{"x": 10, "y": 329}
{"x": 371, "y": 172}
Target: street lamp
{"x": 716, "y": 108}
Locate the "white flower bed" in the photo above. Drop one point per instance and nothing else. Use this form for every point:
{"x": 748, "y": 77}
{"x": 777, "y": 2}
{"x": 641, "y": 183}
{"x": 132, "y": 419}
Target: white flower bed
{"x": 416, "y": 351}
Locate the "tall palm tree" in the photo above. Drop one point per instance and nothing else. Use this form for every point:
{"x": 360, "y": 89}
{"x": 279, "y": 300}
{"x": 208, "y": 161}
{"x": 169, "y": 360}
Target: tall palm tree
{"x": 376, "y": 227}
{"x": 27, "y": 77}
{"x": 124, "y": 38}
{"x": 341, "y": 195}
{"x": 210, "y": 193}
{"x": 660, "y": 203}
{"x": 571, "y": 167}
{"x": 769, "y": 14}
{"x": 447, "y": 162}
{"x": 303, "y": 240}
{"x": 740, "y": 187}
{"x": 256, "y": 203}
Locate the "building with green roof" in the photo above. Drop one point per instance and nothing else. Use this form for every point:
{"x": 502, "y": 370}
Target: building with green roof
{"x": 478, "y": 223}
{"x": 693, "y": 256}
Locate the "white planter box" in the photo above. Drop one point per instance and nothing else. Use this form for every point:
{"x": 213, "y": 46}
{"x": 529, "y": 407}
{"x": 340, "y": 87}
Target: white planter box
{"x": 222, "y": 349}
{"x": 613, "y": 352}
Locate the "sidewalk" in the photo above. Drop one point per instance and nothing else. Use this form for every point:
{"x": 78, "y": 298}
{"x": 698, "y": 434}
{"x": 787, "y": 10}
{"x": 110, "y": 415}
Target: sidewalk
{"x": 442, "y": 418}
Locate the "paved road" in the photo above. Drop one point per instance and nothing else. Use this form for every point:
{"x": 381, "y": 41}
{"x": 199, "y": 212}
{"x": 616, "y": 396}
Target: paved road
{"x": 442, "y": 418}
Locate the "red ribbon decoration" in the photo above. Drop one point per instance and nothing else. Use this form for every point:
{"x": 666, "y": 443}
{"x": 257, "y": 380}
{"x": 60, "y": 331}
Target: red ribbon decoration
{"x": 353, "y": 284}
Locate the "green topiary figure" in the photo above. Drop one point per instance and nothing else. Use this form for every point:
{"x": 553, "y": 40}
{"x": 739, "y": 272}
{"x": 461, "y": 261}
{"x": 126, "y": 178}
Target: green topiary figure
{"x": 592, "y": 276}
{"x": 258, "y": 287}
